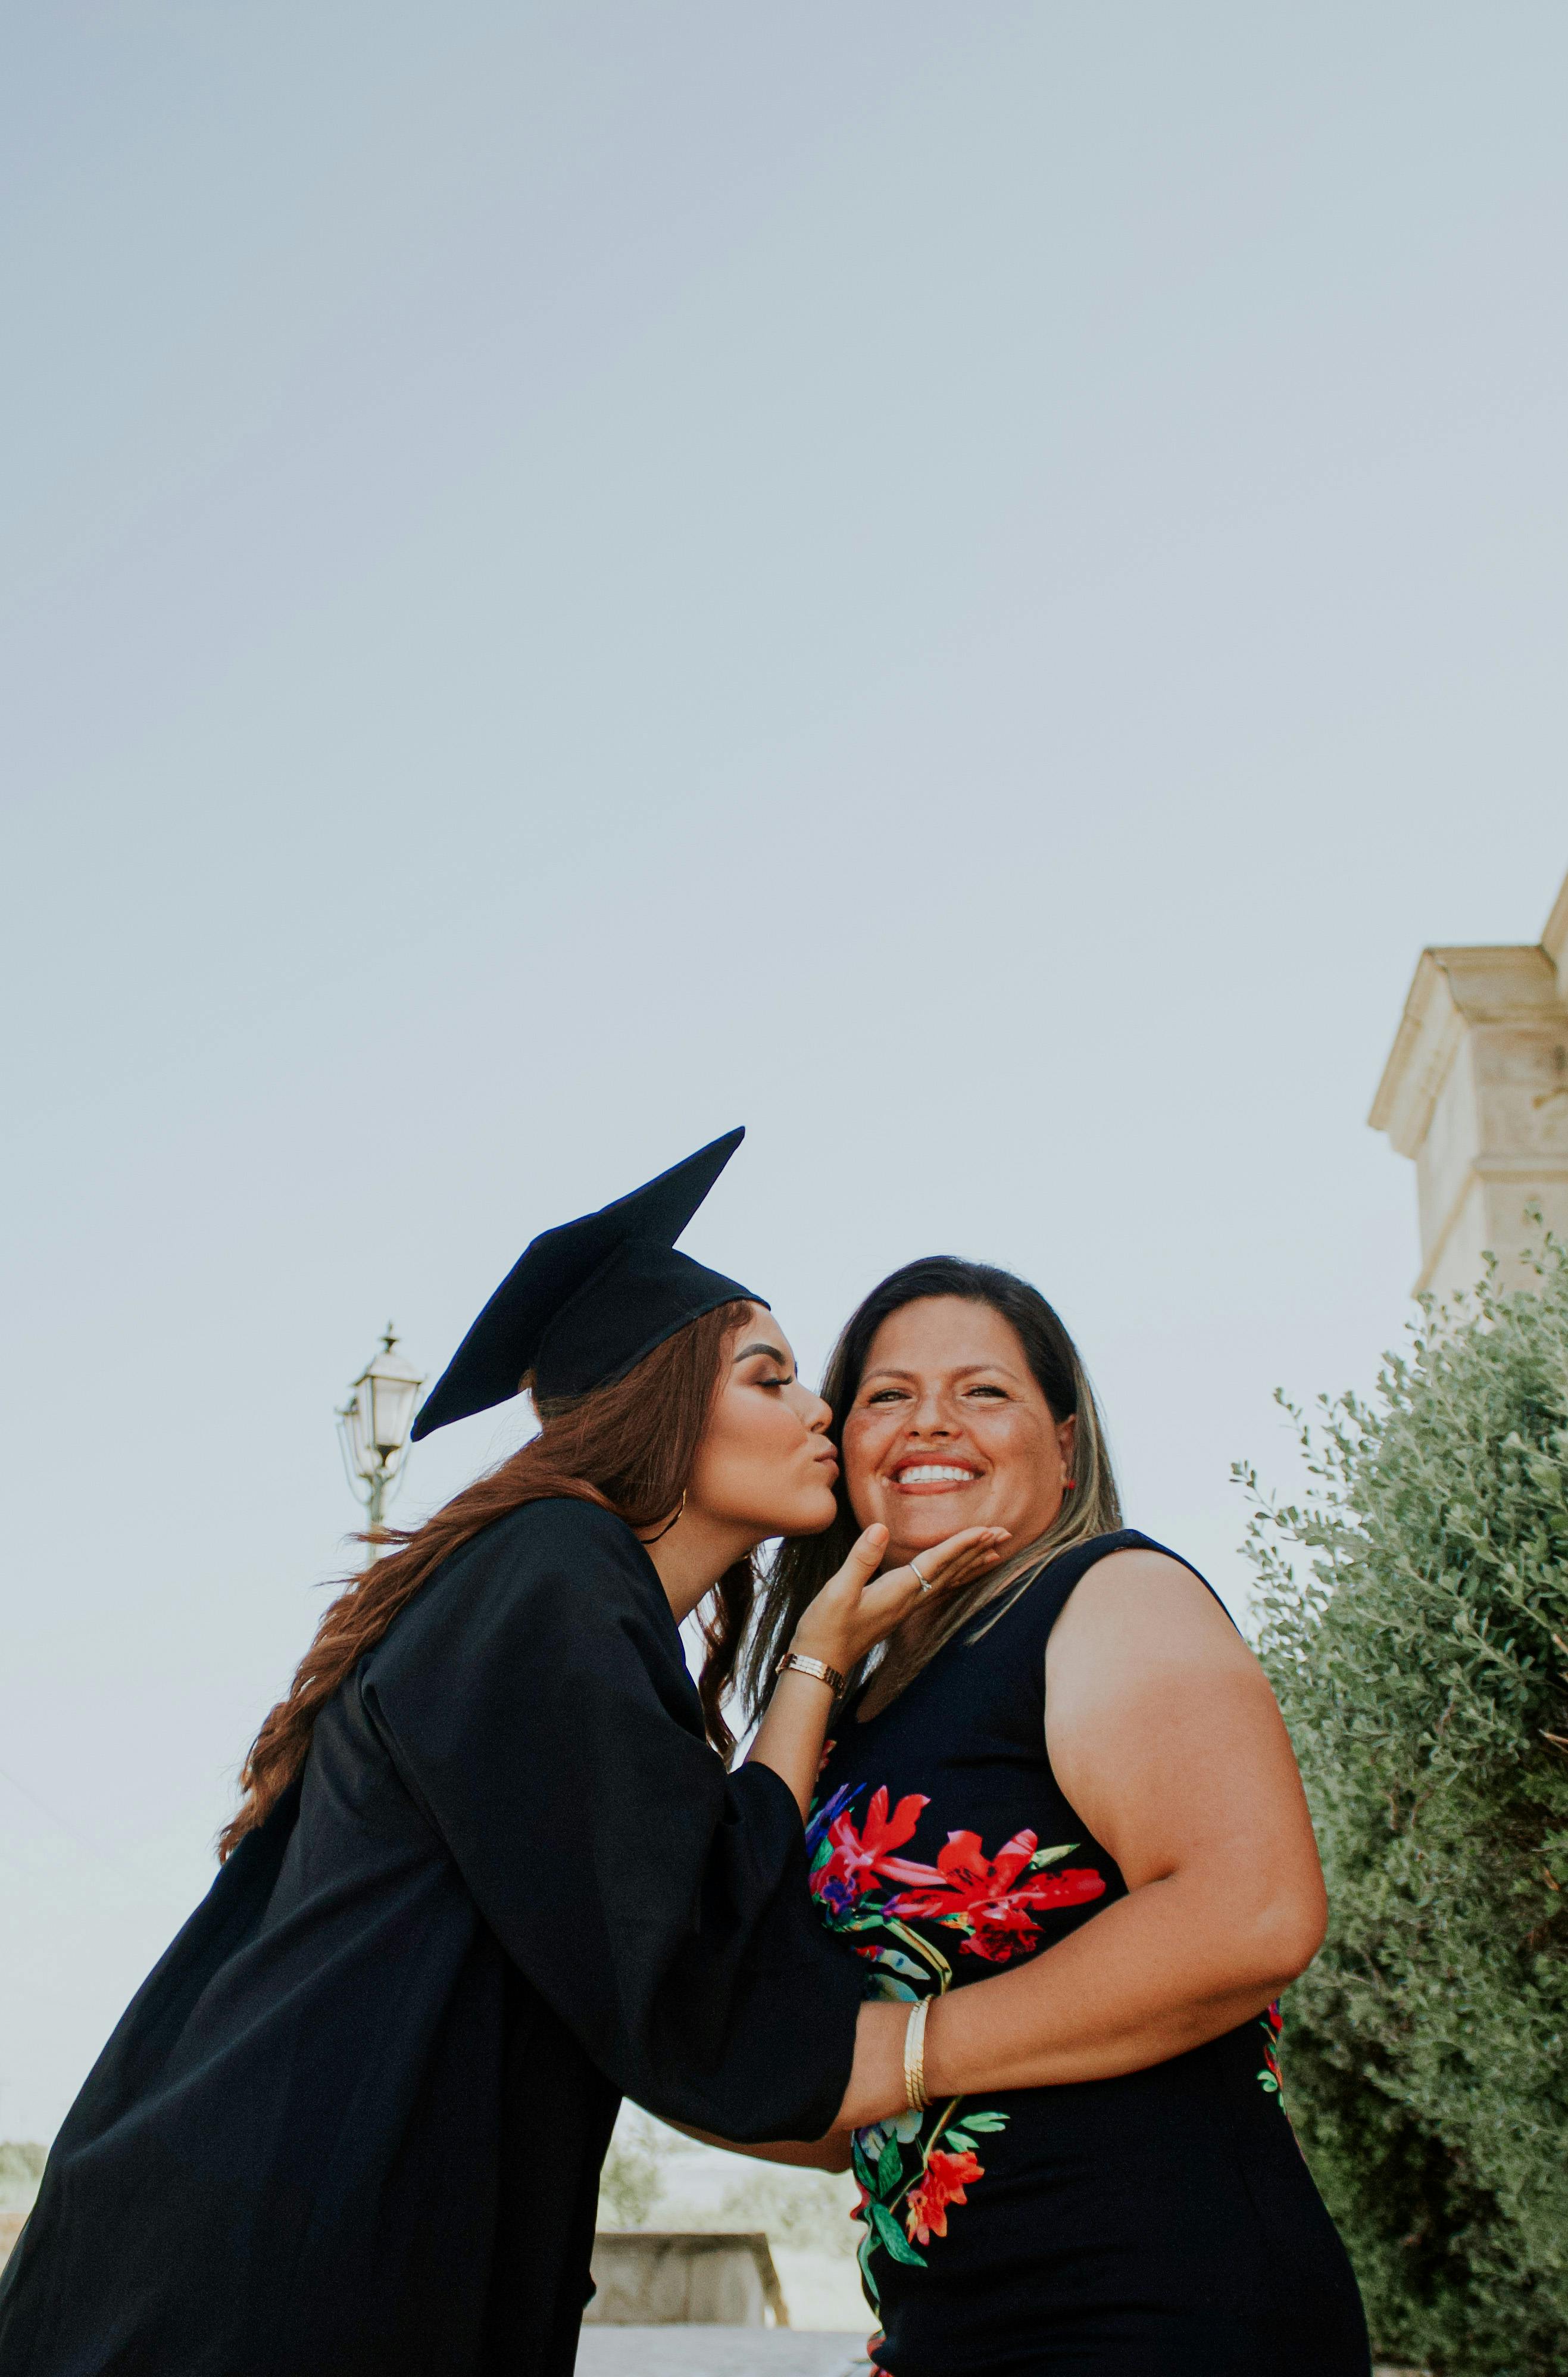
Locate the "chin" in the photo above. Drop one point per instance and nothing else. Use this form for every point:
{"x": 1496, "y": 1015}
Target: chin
{"x": 814, "y": 1516}
{"x": 931, "y": 1522}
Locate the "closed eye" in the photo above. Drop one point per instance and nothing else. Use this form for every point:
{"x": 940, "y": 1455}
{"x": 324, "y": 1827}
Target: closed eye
{"x": 765, "y": 1353}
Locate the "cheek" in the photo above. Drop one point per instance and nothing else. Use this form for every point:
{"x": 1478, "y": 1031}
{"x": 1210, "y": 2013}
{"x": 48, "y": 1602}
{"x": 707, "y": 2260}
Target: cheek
{"x": 865, "y": 1442}
{"x": 1024, "y": 1450}
{"x": 742, "y": 1454}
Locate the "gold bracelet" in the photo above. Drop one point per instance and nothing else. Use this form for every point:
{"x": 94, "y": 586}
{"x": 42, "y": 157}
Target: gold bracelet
{"x": 915, "y": 2095}
{"x": 817, "y": 1667}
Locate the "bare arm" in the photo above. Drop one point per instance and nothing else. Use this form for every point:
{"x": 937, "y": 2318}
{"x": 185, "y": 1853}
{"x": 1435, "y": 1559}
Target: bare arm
{"x": 1164, "y": 1735}
{"x": 793, "y": 1730}
{"x": 831, "y": 2152}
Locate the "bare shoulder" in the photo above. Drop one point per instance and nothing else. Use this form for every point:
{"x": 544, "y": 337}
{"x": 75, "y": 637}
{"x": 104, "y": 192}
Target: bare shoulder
{"x": 1140, "y": 1611}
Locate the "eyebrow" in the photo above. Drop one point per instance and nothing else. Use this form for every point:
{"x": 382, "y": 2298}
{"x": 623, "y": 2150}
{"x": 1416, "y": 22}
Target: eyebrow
{"x": 964, "y": 1370}
{"x": 760, "y": 1347}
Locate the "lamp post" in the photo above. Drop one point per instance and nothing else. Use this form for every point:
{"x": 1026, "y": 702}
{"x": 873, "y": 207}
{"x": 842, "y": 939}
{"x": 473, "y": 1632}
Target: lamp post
{"x": 373, "y": 1426}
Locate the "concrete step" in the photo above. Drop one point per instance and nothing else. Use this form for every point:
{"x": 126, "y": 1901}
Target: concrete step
{"x": 742, "y": 2352}
{"x": 719, "y": 2352}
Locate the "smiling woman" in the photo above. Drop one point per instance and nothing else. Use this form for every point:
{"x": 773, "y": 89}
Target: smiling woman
{"x": 973, "y": 1375}
{"x": 1074, "y": 1769}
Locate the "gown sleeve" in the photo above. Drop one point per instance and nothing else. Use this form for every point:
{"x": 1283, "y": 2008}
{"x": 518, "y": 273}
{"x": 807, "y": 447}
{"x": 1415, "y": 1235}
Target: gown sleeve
{"x": 536, "y": 1702}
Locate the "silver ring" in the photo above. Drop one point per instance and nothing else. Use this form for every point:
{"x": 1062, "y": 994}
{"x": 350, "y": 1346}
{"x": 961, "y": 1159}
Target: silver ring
{"x": 925, "y": 1581}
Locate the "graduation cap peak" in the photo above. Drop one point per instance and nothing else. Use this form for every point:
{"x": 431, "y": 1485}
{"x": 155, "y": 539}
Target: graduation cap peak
{"x": 587, "y": 1300}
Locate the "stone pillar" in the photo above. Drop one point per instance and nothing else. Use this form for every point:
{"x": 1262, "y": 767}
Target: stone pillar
{"x": 1476, "y": 1091}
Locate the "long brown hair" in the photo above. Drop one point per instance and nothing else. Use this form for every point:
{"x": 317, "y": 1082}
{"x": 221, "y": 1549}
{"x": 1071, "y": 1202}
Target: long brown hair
{"x": 628, "y": 1447}
{"x": 804, "y": 1563}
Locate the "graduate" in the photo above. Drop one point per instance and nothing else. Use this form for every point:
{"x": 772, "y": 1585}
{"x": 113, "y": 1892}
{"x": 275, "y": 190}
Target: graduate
{"x": 489, "y": 1875}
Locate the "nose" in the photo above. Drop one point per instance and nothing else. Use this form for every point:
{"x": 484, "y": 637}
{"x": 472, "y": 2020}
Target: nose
{"x": 930, "y": 1417}
{"x": 818, "y": 1415}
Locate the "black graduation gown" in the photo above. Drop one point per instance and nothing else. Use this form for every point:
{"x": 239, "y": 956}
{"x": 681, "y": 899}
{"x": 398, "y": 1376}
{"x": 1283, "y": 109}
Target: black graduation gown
{"x": 354, "y": 2121}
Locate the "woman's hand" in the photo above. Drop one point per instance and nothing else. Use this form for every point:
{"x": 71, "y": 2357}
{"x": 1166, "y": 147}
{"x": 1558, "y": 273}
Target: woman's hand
{"x": 856, "y": 1609}
{"x": 852, "y": 1613}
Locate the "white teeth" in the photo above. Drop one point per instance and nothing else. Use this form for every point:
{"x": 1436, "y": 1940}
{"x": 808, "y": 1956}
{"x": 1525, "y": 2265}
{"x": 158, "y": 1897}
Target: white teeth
{"x": 934, "y": 1473}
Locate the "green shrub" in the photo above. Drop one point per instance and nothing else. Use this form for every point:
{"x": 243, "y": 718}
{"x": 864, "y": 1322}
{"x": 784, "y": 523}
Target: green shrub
{"x": 1414, "y": 1622}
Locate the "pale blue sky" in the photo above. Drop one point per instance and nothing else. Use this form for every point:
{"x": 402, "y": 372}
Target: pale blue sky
{"x": 965, "y": 587}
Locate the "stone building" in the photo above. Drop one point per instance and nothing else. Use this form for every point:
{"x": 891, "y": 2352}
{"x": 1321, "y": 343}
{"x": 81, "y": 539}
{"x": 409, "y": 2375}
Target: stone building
{"x": 1476, "y": 1092}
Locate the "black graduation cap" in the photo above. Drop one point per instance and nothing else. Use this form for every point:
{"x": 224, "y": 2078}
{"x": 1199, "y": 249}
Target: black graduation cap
{"x": 588, "y": 1300}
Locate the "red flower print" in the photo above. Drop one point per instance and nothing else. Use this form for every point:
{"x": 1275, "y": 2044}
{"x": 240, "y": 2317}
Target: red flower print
{"x": 857, "y": 1859}
{"x": 984, "y": 1895}
{"x": 941, "y": 2183}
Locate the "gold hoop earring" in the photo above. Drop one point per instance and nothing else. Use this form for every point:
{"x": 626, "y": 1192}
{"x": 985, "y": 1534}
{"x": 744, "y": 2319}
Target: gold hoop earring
{"x": 645, "y": 1540}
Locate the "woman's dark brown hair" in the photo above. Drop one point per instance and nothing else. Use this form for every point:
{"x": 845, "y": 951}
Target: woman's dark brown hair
{"x": 1093, "y": 1508}
{"x": 628, "y": 1447}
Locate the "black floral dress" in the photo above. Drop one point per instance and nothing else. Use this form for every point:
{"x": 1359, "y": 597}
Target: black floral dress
{"x": 1161, "y": 2223}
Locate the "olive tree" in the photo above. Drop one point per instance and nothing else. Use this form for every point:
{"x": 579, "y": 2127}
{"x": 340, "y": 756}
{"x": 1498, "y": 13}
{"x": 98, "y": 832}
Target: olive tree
{"x": 1414, "y": 1622}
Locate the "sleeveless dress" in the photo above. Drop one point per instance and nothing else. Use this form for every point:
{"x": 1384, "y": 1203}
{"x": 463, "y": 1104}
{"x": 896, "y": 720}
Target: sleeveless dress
{"x": 1160, "y": 2223}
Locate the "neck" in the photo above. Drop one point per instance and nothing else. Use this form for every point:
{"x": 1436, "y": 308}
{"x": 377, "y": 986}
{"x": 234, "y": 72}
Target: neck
{"x": 695, "y": 1554}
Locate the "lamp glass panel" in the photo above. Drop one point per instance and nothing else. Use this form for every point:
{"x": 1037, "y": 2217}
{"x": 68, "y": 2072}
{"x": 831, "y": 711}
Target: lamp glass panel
{"x": 357, "y": 1459}
{"x": 387, "y": 1396}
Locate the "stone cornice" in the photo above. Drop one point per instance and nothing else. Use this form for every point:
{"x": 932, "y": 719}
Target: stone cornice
{"x": 1474, "y": 1092}
{"x": 1429, "y": 1031}
{"x": 1453, "y": 989}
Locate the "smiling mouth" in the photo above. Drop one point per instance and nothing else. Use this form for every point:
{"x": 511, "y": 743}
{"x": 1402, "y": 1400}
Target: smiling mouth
{"x": 934, "y": 1473}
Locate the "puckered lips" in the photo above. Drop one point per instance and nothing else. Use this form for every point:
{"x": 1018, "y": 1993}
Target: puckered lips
{"x": 922, "y": 1475}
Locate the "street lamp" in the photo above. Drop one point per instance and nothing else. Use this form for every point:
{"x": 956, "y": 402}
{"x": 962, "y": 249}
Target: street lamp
{"x": 373, "y": 1426}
